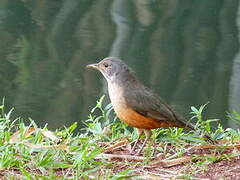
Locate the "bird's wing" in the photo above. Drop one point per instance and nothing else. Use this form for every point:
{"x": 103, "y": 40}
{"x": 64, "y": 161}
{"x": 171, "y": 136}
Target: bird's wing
{"x": 148, "y": 104}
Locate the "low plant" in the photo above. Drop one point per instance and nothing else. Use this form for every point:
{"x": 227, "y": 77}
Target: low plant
{"x": 30, "y": 152}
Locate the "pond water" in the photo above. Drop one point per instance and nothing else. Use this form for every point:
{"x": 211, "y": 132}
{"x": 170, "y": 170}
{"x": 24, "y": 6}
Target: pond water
{"x": 185, "y": 50}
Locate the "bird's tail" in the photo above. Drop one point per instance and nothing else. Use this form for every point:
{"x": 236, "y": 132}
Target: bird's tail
{"x": 206, "y": 135}
{"x": 190, "y": 126}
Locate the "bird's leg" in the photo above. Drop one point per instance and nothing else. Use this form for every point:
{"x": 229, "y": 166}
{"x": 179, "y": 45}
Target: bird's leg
{"x": 140, "y": 132}
{"x": 148, "y": 134}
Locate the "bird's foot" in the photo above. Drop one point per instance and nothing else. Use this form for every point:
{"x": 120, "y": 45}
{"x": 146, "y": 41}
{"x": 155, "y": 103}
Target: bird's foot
{"x": 134, "y": 146}
{"x": 132, "y": 152}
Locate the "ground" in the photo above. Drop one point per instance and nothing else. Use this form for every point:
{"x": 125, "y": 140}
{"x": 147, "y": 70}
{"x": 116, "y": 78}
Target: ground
{"x": 200, "y": 162}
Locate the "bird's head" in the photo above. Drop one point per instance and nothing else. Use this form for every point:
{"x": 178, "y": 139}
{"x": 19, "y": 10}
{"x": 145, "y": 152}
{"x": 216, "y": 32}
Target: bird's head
{"x": 113, "y": 69}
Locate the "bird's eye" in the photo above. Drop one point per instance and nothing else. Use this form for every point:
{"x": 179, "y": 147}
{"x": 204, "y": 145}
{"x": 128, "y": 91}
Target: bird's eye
{"x": 105, "y": 65}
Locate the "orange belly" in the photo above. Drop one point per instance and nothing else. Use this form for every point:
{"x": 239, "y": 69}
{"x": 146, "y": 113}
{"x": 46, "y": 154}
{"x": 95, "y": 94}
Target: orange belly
{"x": 137, "y": 120}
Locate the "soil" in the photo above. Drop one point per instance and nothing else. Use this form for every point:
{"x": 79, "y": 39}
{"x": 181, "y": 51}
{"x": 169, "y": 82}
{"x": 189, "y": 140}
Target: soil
{"x": 205, "y": 163}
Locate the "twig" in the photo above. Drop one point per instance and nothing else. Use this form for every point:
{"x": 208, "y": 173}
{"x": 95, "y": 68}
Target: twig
{"x": 211, "y": 146}
{"x": 225, "y": 141}
{"x": 172, "y": 162}
{"x": 110, "y": 156}
{"x": 154, "y": 175}
{"x": 117, "y": 145}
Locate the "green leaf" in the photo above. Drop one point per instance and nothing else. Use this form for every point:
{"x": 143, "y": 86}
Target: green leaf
{"x": 26, "y": 173}
{"x": 72, "y": 127}
{"x": 7, "y": 116}
{"x": 194, "y": 109}
{"x": 202, "y": 107}
{"x": 61, "y": 165}
{"x": 192, "y": 139}
{"x": 123, "y": 175}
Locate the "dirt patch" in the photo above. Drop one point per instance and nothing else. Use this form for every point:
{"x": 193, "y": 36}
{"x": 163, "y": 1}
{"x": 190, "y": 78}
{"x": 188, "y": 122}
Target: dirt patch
{"x": 203, "y": 162}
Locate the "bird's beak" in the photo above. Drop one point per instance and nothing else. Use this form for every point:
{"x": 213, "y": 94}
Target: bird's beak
{"x": 94, "y": 66}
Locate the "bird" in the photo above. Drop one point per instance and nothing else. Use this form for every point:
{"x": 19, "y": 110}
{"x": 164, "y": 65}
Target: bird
{"x": 134, "y": 103}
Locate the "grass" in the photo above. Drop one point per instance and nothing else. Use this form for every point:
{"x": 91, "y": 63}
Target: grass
{"x": 30, "y": 152}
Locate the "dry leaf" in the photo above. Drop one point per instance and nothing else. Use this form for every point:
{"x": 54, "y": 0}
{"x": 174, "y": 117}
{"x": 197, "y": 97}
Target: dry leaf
{"x": 16, "y": 136}
{"x": 225, "y": 141}
{"x": 39, "y": 146}
{"x": 50, "y": 135}
{"x": 117, "y": 145}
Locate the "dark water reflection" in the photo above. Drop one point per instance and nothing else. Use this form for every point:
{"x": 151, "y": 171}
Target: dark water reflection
{"x": 186, "y": 50}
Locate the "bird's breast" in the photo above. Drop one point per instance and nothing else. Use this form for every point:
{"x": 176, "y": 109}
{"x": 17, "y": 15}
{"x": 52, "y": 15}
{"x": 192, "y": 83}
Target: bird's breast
{"x": 125, "y": 113}
{"x": 119, "y": 103}
{"x": 117, "y": 98}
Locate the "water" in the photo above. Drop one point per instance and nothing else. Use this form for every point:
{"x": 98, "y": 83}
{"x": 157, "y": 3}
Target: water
{"x": 186, "y": 50}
